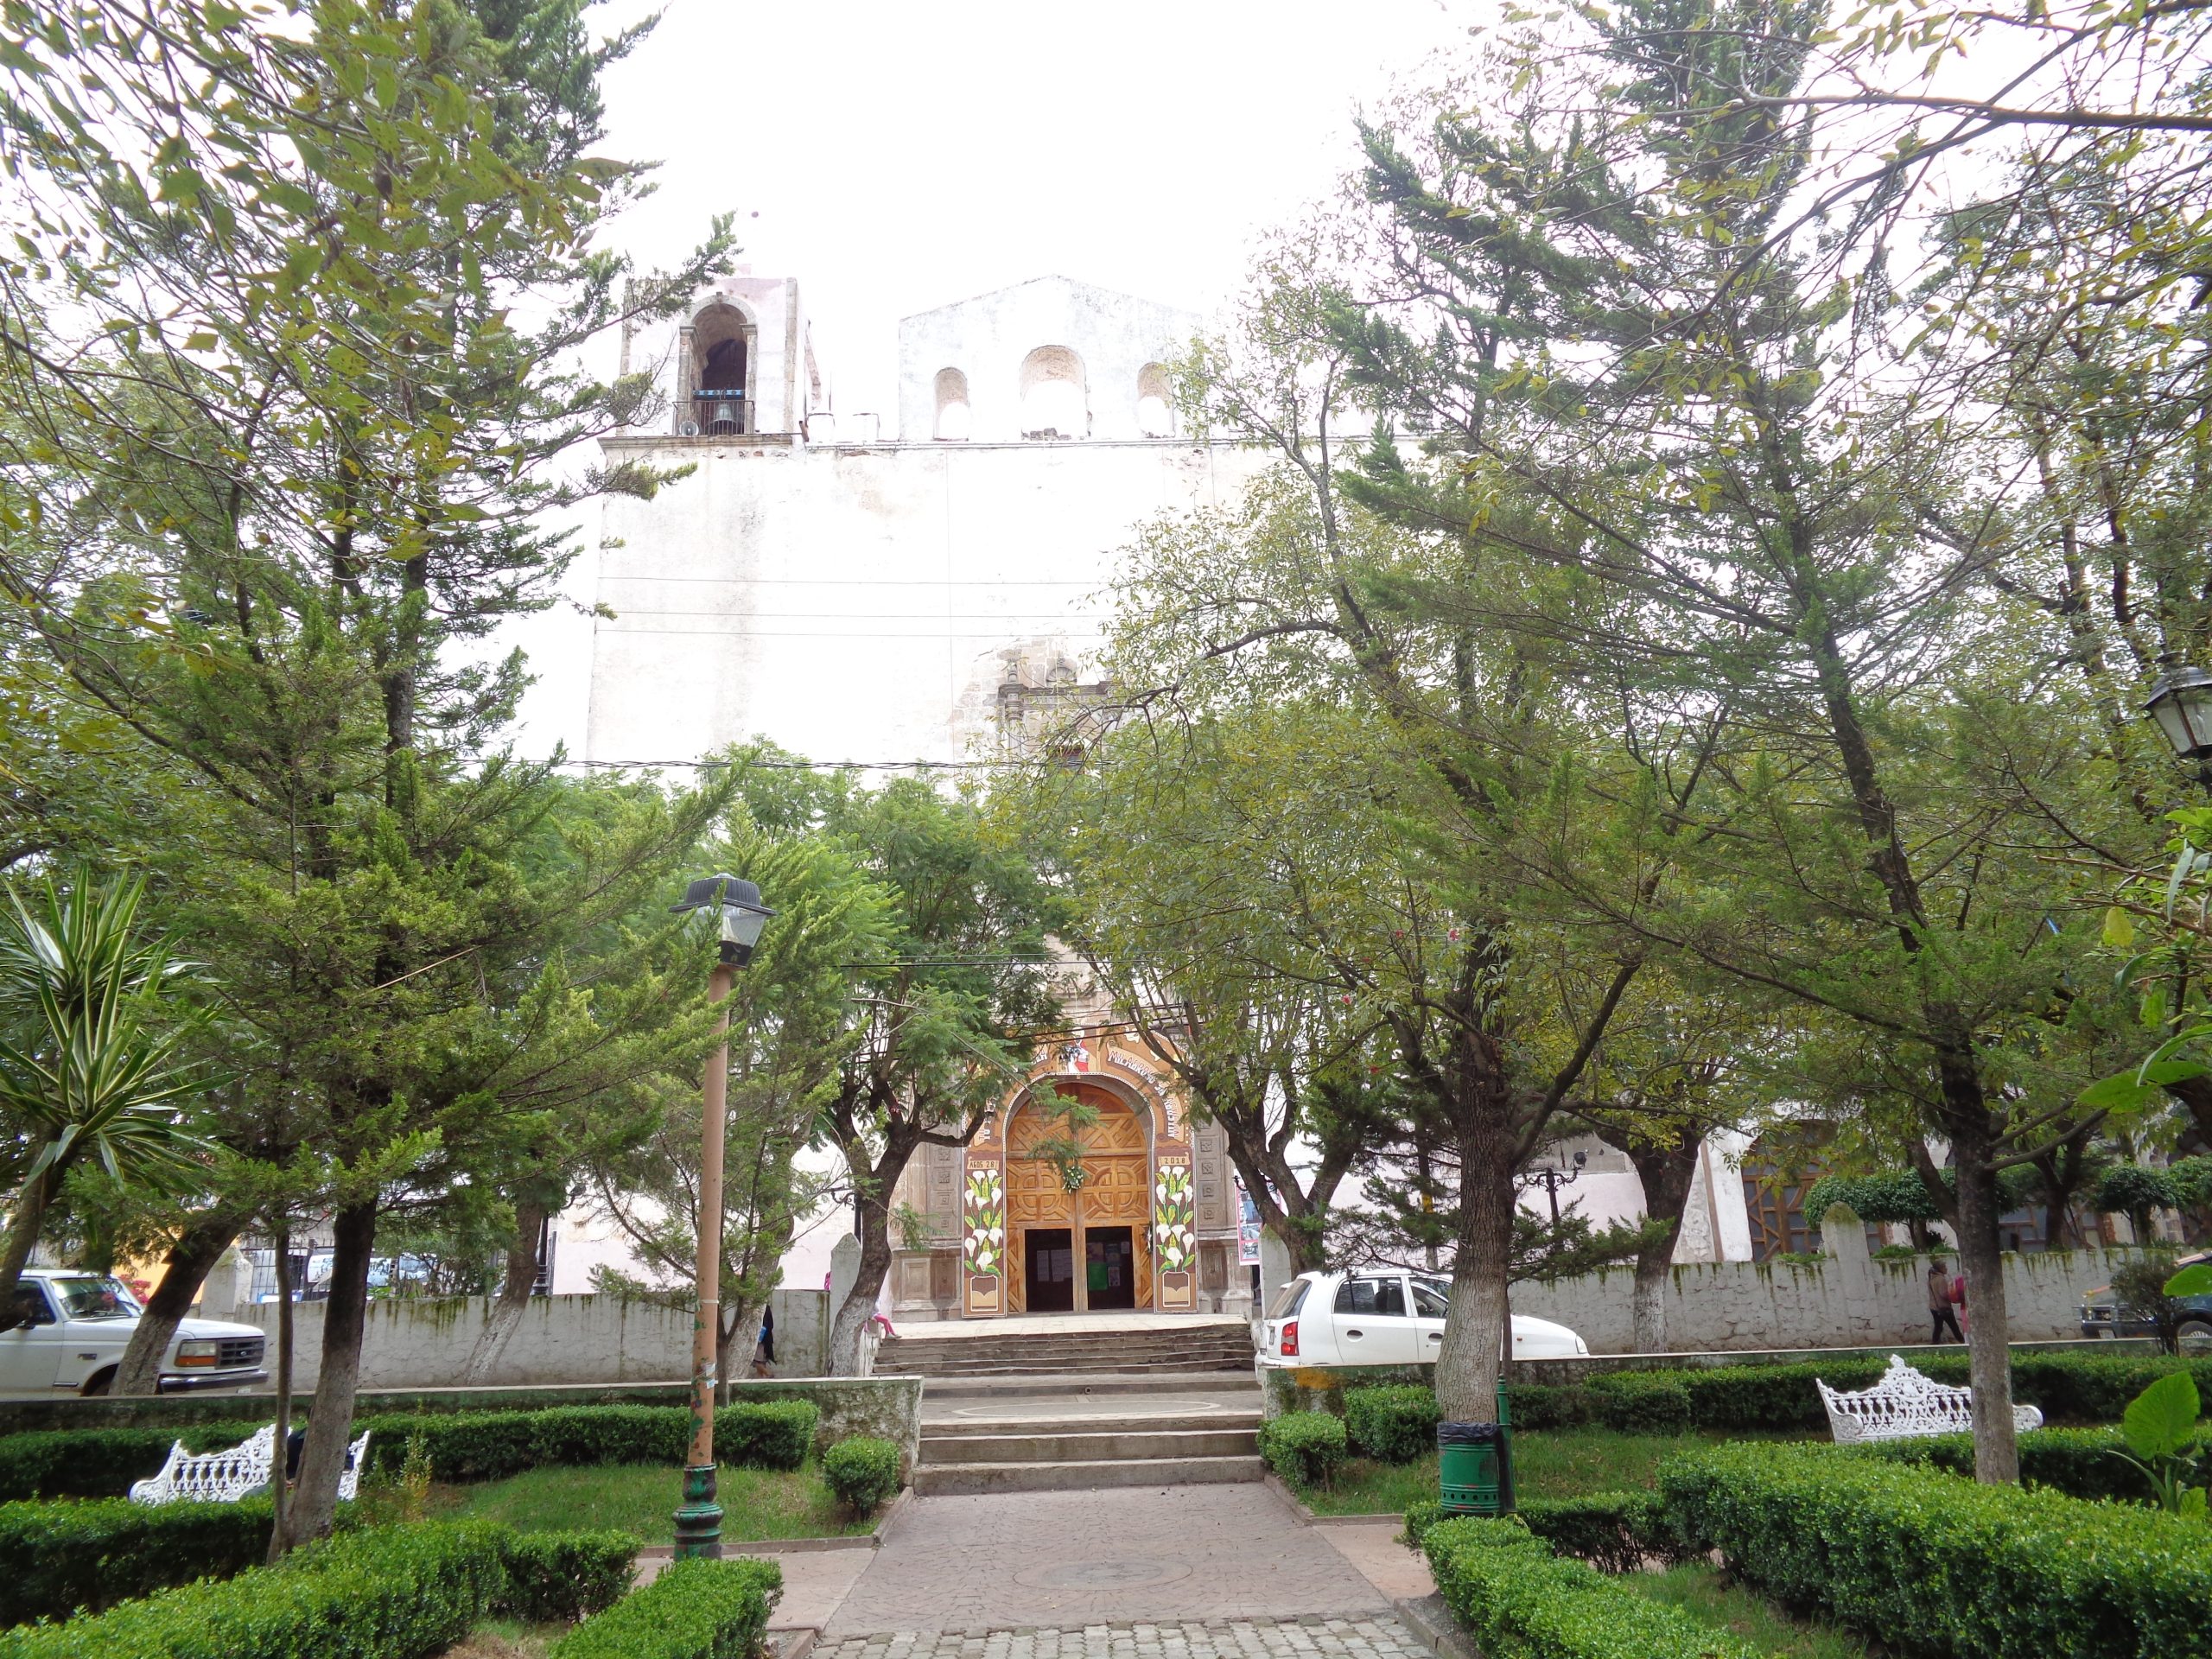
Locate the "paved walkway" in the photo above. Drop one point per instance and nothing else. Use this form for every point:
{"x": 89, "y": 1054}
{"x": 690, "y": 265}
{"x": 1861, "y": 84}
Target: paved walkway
{"x": 1131, "y": 1557}
{"x": 1377, "y": 1637}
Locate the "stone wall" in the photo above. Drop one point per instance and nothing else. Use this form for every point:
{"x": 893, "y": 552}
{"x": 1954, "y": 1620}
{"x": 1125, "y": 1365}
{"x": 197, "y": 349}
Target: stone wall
{"x": 415, "y": 1343}
{"x": 1845, "y": 1300}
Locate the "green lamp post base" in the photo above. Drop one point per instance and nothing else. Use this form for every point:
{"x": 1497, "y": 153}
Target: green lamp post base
{"x": 699, "y": 1521}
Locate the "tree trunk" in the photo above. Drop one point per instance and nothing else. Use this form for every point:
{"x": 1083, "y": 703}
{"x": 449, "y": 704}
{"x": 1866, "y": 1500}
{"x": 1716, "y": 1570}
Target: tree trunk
{"x": 24, "y": 1225}
{"x": 859, "y": 1304}
{"x": 524, "y": 1262}
{"x": 734, "y": 1347}
{"x": 193, "y": 1255}
{"x": 1996, "y": 1449}
{"x": 330, "y": 1424}
{"x": 1666, "y": 1168}
{"x": 1467, "y": 1366}
{"x": 279, "y": 1487}
{"x": 2196, "y": 1094}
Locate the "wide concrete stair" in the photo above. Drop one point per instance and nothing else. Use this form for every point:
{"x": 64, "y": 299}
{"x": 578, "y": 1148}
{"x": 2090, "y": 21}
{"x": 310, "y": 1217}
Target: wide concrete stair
{"x": 1087, "y": 1448}
{"x": 1170, "y": 1345}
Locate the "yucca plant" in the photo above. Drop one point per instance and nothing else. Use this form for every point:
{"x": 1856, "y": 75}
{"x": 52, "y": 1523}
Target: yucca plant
{"x": 92, "y": 1064}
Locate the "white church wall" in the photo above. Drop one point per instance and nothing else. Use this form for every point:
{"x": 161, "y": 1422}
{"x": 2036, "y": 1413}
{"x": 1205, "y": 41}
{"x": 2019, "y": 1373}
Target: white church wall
{"x": 991, "y": 339}
{"x": 853, "y": 602}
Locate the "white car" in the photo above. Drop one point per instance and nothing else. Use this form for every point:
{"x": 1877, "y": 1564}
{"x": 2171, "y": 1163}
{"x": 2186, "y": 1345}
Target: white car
{"x": 70, "y": 1329}
{"x": 1381, "y": 1316}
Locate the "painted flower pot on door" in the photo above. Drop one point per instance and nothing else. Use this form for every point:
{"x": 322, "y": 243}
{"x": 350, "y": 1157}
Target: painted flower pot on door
{"x": 983, "y": 1293}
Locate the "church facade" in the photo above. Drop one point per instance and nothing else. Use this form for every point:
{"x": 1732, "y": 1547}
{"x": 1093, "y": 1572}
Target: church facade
{"x": 926, "y": 591}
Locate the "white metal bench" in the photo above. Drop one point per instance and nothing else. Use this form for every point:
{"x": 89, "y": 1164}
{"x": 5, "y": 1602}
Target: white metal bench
{"x": 226, "y": 1477}
{"x": 1905, "y": 1404}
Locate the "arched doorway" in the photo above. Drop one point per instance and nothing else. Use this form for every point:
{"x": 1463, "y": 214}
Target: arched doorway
{"x": 1079, "y": 1229}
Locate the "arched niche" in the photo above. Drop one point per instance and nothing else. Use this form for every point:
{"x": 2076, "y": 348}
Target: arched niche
{"x": 953, "y": 421}
{"x": 1055, "y": 398}
{"x": 1155, "y": 402}
{"x": 721, "y": 347}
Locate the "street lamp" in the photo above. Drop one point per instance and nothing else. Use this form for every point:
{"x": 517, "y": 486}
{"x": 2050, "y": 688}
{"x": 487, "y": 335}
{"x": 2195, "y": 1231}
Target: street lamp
{"x": 739, "y": 917}
{"x": 2182, "y": 704}
{"x": 1553, "y": 1179}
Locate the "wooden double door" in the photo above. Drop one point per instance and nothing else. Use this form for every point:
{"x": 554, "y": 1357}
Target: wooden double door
{"x": 1088, "y": 1249}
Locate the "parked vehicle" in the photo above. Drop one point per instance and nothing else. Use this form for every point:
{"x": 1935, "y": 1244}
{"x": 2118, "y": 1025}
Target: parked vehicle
{"x": 70, "y": 1329}
{"x": 1381, "y": 1316}
{"x": 2101, "y": 1314}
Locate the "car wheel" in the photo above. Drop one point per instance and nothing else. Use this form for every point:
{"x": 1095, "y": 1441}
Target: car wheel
{"x": 2194, "y": 1337}
{"x": 98, "y": 1383}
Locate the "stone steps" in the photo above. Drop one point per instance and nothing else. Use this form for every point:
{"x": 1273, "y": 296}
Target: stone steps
{"x": 952, "y": 1479}
{"x": 1217, "y": 1347}
{"x": 1092, "y": 1385}
{"x": 1150, "y": 1442}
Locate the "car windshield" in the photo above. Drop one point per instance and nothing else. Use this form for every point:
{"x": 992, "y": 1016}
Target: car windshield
{"x": 89, "y": 1298}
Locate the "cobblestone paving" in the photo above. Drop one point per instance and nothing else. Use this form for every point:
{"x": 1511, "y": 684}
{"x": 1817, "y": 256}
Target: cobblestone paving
{"x": 1062, "y": 1561}
{"x": 1380, "y": 1637}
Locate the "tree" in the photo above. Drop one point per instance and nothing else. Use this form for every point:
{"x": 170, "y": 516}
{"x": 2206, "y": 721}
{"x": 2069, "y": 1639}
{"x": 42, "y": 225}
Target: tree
{"x": 1198, "y": 858}
{"x": 1698, "y": 453}
{"x": 943, "y": 1018}
{"x": 94, "y": 1070}
{"x": 302, "y": 477}
{"x": 792, "y": 1027}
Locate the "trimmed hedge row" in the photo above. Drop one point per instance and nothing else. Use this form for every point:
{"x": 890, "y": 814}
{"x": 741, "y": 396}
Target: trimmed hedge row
{"x": 463, "y": 1446}
{"x": 2078, "y": 1462}
{"x": 565, "y": 1575}
{"x": 97, "y": 1462}
{"x": 492, "y": 1445}
{"x": 1519, "y": 1601}
{"x": 2070, "y": 1387}
{"x": 71, "y": 1554}
{"x": 694, "y": 1610}
{"x": 1391, "y": 1425}
{"x": 1930, "y": 1563}
{"x": 1303, "y": 1447}
{"x": 381, "y": 1593}
{"x": 1615, "y": 1532}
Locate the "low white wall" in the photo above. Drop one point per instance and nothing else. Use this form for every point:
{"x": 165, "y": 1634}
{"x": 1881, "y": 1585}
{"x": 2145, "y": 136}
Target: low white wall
{"x": 413, "y": 1343}
{"x": 1847, "y": 1301}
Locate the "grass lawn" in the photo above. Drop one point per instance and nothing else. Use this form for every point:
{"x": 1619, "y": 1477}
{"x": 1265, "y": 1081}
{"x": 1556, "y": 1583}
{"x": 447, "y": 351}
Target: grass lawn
{"x": 641, "y": 1499}
{"x": 1697, "y": 1589}
{"x": 1547, "y": 1463}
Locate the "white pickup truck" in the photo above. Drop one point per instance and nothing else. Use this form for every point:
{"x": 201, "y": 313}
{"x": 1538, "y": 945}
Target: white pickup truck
{"x": 70, "y": 1328}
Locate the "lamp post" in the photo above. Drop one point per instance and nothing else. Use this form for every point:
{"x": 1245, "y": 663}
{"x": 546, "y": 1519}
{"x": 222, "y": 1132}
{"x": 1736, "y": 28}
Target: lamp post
{"x": 2181, "y": 703}
{"x": 1553, "y": 1179}
{"x": 739, "y": 916}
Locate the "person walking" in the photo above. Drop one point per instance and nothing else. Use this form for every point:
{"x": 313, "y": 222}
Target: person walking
{"x": 1939, "y": 1303}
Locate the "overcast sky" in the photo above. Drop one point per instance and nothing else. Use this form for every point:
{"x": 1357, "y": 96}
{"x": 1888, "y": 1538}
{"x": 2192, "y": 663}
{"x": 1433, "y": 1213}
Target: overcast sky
{"x": 900, "y": 156}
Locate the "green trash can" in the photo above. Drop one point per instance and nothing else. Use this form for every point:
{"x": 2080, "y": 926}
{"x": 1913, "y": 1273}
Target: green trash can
{"x": 1475, "y": 1464}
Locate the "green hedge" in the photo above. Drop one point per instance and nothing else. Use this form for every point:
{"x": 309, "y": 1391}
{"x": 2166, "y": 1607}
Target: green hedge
{"x": 1392, "y": 1425}
{"x": 862, "y": 1471}
{"x": 2069, "y": 1387}
{"x": 382, "y": 1592}
{"x": 463, "y": 1446}
{"x": 565, "y": 1575}
{"x": 1616, "y": 1532}
{"x": 1930, "y": 1563}
{"x": 2078, "y": 1462}
{"x": 99, "y": 1462}
{"x": 62, "y": 1556}
{"x": 492, "y": 1445}
{"x": 1645, "y": 1402}
{"x": 694, "y": 1610}
{"x": 1519, "y": 1601}
{"x": 1303, "y": 1447}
